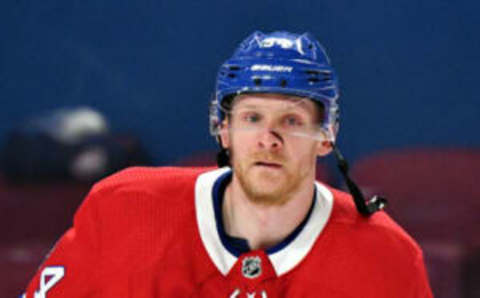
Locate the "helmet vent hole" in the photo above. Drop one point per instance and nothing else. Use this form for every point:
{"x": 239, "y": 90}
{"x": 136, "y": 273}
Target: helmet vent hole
{"x": 313, "y": 80}
{"x": 257, "y": 81}
{"x": 234, "y": 67}
{"x": 232, "y": 75}
{"x": 283, "y": 83}
{"x": 312, "y": 72}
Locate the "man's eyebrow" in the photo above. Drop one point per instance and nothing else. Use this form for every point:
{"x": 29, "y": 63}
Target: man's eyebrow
{"x": 301, "y": 104}
{"x": 285, "y": 108}
{"x": 248, "y": 106}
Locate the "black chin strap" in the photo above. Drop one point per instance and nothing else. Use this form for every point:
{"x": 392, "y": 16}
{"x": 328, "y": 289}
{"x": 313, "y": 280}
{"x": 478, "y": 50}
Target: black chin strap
{"x": 223, "y": 159}
{"x": 375, "y": 204}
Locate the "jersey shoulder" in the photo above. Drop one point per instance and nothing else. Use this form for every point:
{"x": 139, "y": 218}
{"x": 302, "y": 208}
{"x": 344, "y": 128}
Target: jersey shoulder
{"x": 143, "y": 190}
{"x": 149, "y": 205}
{"x": 149, "y": 177}
{"x": 143, "y": 182}
{"x": 374, "y": 253}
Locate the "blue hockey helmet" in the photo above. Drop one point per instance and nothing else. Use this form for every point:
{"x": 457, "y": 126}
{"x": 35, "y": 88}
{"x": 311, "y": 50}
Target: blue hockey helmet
{"x": 279, "y": 62}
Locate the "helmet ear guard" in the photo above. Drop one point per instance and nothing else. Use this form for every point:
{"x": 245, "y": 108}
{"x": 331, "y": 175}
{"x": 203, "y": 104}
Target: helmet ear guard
{"x": 291, "y": 64}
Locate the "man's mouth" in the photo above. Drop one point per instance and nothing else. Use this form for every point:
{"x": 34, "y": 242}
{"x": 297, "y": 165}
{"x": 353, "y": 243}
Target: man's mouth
{"x": 272, "y": 165}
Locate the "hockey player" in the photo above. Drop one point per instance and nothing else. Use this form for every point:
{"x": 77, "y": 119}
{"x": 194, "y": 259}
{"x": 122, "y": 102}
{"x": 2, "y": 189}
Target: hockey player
{"x": 258, "y": 226}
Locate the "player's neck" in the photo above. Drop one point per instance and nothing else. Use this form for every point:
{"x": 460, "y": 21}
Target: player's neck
{"x": 264, "y": 226}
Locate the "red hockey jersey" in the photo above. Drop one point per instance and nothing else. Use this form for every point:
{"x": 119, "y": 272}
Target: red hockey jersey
{"x": 153, "y": 232}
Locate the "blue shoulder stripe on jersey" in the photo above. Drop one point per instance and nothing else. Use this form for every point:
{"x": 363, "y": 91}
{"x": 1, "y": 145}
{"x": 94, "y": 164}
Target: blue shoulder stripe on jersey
{"x": 236, "y": 246}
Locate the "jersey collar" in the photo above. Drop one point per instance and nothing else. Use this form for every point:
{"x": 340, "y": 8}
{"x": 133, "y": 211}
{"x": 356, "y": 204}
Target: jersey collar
{"x": 283, "y": 259}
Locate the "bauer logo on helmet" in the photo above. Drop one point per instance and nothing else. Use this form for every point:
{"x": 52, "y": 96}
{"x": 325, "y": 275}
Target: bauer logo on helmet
{"x": 267, "y": 67}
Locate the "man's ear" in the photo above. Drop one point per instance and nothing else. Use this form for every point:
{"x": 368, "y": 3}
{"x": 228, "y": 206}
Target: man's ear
{"x": 224, "y": 135}
{"x": 324, "y": 148}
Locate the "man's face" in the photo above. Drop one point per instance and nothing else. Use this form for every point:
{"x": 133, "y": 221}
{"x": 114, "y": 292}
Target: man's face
{"x": 273, "y": 151}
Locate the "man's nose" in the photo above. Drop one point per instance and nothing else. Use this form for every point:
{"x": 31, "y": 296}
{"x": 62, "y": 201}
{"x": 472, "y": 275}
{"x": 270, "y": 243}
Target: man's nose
{"x": 270, "y": 139}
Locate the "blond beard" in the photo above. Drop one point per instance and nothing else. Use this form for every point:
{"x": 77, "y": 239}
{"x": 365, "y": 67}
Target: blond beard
{"x": 277, "y": 194}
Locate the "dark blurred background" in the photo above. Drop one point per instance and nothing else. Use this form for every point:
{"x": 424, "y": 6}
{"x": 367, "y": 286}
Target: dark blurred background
{"x": 144, "y": 71}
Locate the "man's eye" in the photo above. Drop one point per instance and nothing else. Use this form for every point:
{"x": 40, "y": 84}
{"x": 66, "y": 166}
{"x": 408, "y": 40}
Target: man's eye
{"x": 293, "y": 121}
{"x": 252, "y": 118}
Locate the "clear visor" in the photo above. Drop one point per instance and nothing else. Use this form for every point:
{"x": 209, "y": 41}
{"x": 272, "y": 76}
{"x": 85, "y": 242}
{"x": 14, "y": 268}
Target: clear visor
{"x": 290, "y": 117}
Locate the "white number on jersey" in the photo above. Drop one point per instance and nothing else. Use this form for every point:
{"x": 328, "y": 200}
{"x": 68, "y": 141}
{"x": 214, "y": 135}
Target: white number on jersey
{"x": 55, "y": 274}
{"x": 237, "y": 292}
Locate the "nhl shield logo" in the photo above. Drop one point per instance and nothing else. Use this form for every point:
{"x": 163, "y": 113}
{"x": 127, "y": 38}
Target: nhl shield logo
{"x": 252, "y": 267}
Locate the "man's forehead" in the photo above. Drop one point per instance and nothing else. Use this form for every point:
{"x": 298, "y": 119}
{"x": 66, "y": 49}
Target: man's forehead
{"x": 272, "y": 100}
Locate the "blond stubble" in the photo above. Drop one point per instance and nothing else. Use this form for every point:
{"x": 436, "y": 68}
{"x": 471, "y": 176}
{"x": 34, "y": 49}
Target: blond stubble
{"x": 271, "y": 193}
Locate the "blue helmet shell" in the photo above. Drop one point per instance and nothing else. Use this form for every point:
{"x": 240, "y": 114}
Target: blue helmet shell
{"x": 284, "y": 63}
